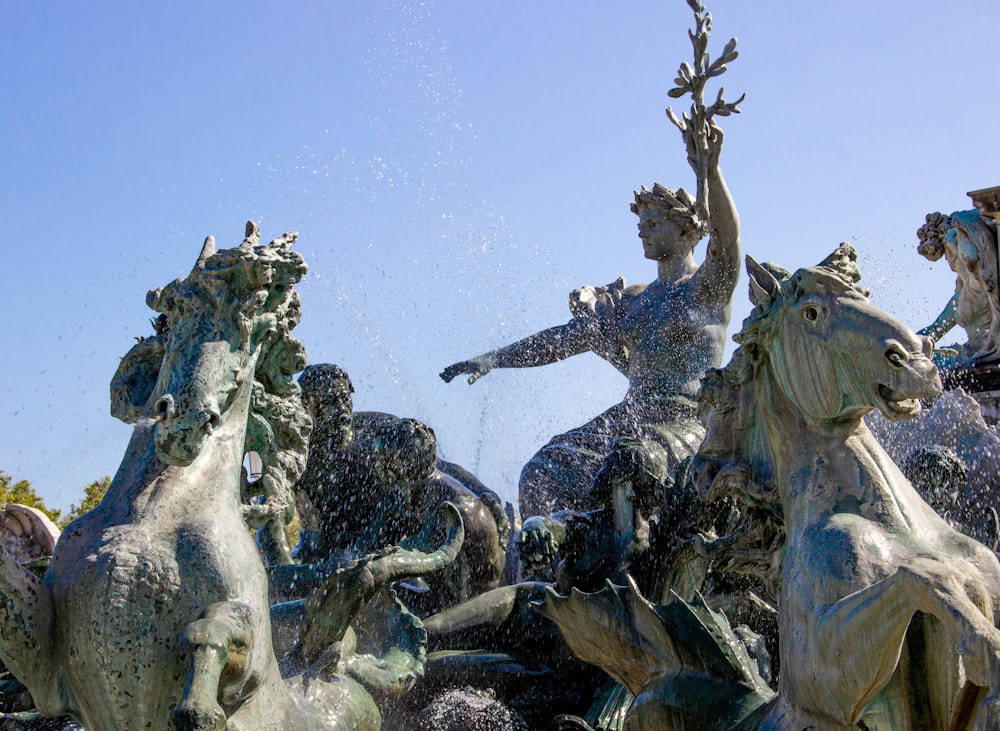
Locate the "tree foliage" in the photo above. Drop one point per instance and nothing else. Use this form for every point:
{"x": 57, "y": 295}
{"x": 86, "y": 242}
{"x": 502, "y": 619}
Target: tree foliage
{"x": 92, "y": 495}
{"x": 22, "y": 492}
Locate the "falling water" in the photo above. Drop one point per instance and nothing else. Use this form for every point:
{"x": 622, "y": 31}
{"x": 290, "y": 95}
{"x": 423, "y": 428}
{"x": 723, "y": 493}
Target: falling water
{"x": 413, "y": 266}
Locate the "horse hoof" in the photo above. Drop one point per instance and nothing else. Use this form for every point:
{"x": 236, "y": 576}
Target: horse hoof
{"x": 190, "y": 718}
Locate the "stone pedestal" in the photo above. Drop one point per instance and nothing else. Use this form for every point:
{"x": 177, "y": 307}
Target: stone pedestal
{"x": 986, "y": 201}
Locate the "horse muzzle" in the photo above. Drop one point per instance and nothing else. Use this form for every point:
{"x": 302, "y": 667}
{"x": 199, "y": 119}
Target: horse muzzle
{"x": 179, "y": 440}
{"x": 910, "y": 377}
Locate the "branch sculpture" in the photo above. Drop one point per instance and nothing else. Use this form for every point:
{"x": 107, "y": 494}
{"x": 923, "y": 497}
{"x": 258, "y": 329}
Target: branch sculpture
{"x": 695, "y": 126}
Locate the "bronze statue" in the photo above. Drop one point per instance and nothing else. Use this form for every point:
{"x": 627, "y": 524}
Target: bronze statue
{"x": 887, "y": 615}
{"x": 153, "y": 612}
{"x": 663, "y": 335}
{"x": 968, "y": 241}
{"x": 585, "y": 548}
{"x": 373, "y": 480}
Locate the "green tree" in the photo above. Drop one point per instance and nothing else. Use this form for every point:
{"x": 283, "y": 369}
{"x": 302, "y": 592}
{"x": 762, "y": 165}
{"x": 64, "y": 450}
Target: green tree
{"x": 92, "y": 495}
{"x": 22, "y": 492}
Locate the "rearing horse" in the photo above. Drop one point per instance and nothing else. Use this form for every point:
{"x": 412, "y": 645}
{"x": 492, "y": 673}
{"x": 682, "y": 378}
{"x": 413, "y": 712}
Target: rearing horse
{"x": 879, "y": 597}
{"x": 154, "y": 612}
{"x": 887, "y": 616}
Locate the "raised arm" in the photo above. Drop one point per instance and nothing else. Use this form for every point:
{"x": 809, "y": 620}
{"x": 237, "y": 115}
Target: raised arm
{"x": 542, "y": 348}
{"x": 717, "y": 276}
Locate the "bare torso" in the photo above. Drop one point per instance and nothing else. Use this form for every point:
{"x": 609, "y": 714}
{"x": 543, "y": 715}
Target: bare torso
{"x": 670, "y": 338}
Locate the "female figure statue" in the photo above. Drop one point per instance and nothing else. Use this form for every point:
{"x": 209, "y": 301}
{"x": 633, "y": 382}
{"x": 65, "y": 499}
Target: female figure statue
{"x": 969, "y": 243}
{"x": 662, "y": 336}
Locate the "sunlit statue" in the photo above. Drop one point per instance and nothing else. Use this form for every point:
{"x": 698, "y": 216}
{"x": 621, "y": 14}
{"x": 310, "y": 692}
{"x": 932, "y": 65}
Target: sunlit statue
{"x": 154, "y": 610}
{"x": 968, "y": 242}
{"x": 887, "y": 615}
{"x": 661, "y": 336}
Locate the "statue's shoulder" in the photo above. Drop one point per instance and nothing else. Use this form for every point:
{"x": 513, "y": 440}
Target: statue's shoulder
{"x": 604, "y": 301}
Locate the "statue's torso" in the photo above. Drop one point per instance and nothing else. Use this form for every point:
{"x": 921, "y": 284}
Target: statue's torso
{"x": 671, "y": 339}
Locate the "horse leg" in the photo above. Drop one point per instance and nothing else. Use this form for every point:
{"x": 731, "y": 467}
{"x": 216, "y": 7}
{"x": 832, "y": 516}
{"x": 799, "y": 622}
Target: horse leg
{"x": 948, "y": 596}
{"x": 26, "y": 616}
{"x": 219, "y": 644}
{"x": 963, "y": 610}
{"x": 878, "y": 617}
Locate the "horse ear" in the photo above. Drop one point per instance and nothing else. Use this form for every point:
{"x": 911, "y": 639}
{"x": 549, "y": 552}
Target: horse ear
{"x": 252, "y": 238}
{"x": 764, "y": 286}
{"x": 207, "y": 250}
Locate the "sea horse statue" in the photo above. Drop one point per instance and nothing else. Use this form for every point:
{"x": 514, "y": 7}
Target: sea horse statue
{"x": 887, "y": 615}
{"x": 154, "y": 611}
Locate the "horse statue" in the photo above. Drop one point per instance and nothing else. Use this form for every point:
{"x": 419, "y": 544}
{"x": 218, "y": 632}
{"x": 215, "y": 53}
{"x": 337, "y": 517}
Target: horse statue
{"x": 154, "y": 613}
{"x": 887, "y": 616}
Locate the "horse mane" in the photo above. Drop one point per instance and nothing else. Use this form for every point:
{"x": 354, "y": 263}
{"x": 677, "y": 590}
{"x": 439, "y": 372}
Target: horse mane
{"x": 735, "y": 459}
{"x": 260, "y": 281}
{"x": 278, "y": 426}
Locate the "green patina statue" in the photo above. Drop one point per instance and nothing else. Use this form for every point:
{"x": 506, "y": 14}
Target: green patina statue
{"x": 663, "y": 335}
{"x": 153, "y": 613}
{"x": 887, "y": 615}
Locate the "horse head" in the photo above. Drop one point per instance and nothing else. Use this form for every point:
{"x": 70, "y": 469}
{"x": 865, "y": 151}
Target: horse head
{"x": 813, "y": 350}
{"x": 222, "y": 322}
{"x": 831, "y": 352}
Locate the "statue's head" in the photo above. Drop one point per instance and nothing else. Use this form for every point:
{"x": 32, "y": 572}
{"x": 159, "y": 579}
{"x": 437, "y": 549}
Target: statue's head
{"x": 932, "y": 235}
{"x": 405, "y": 452}
{"x": 677, "y": 207}
{"x": 637, "y": 464}
{"x": 226, "y": 327}
{"x": 940, "y": 234}
{"x": 326, "y": 385}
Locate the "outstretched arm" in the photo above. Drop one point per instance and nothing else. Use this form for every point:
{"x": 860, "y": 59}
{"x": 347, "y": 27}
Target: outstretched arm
{"x": 718, "y": 274}
{"x": 542, "y": 348}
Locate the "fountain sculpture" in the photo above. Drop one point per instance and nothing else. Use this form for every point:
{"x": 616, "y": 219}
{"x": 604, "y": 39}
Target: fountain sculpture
{"x": 754, "y": 557}
{"x": 372, "y": 482}
{"x": 662, "y": 335}
{"x": 162, "y": 581}
{"x": 887, "y": 615}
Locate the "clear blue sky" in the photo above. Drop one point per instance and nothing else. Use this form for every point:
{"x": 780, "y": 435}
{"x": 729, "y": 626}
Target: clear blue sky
{"x": 454, "y": 169}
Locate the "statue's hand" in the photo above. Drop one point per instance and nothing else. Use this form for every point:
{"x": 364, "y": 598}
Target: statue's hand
{"x": 704, "y": 150}
{"x": 538, "y": 546}
{"x": 476, "y": 368}
{"x": 713, "y": 144}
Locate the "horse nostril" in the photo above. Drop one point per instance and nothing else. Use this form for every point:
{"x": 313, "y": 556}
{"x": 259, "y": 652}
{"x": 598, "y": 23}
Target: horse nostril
{"x": 164, "y": 407}
{"x": 208, "y": 419}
